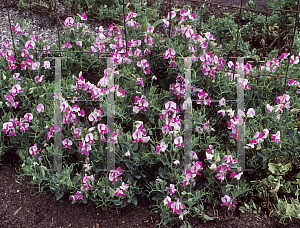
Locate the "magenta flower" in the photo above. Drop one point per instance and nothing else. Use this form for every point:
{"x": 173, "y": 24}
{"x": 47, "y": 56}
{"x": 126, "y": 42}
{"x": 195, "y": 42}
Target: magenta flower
{"x": 227, "y": 201}
{"x": 114, "y": 174}
{"x": 79, "y": 43}
{"x": 33, "y": 150}
{"x": 162, "y": 147}
{"x": 137, "y": 135}
{"x": 270, "y": 108}
{"x": 67, "y": 143}
{"x": 46, "y": 48}
{"x": 114, "y": 135}
{"x": 237, "y": 176}
{"x": 17, "y": 29}
{"x": 209, "y": 36}
{"x": 47, "y": 65}
{"x": 169, "y": 53}
{"x": 172, "y": 189}
{"x": 67, "y": 45}
{"x": 142, "y": 103}
{"x": 16, "y": 76}
{"x": 276, "y": 137}
{"x": 68, "y": 21}
{"x": 178, "y": 141}
{"x": 284, "y": 55}
{"x": 34, "y": 38}
{"x": 29, "y": 44}
{"x": 83, "y": 17}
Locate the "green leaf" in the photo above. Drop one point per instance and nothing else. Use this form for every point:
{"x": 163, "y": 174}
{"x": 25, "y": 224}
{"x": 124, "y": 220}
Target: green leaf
{"x": 58, "y": 197}
{"x": 287, "y": 122}
{"x": 206, "y": 217}
{"x": 157, "y": 22}
{"x": 272, "y": 168}
{"x": 134, "y": 146}
{"x": 285, "y": 168}
{"x": 128, "y": 164}
{"x": 291, "y": 134}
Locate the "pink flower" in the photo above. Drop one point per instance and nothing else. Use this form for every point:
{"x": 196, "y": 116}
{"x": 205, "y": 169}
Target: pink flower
{"x": 67, "y": 143}
{"x": 172, "y": 63}
{"x": 166, "y": 23}
{"x": 119, "y": 192}
{"x": 172, "y": 189}
{"x": 137, "y": 135}
{"x": 39, "y": 108}
{"x": 178, "y": 141}
{"x": 209, "y": 36}
{"x": 209, "y": 156}
{"x": 33, "y": 150}
{"x": 270, "y": 108}
{"x": 150, "y": 29}
{"x": 89, "y": 138}
{"x": 276, "y": 137}
{"x": 17, "y": 29}
{"x": 68, "y": 21}
{"x": 176, "y": 162}
{"x": 193, "y": 155}
{"x": 251, "y": 112}
{"x": 83, "y": 17}
{"x": 114, "y": 174}
{"x": 222, "y": 102}
{"x": 162, "y": 147}
{"x": 35, "y": 38}
{"x": 222, "y": 112}
{"x": 227, "y": 201}
{"x": 127, "y": 154}
{"x": 79, "y": 43}
{"x": 47, "y": 47}
{"x": 142, "y": 103}
{"x": 169, "y": 53}
{"x": 29, "y": 44}
{"x": 77, "y": 196}
{"x": 284, "y": 55}
{"x": 67, "y": 45}
{"x": 16, "y": 76}
{"x": 47, "y": 65}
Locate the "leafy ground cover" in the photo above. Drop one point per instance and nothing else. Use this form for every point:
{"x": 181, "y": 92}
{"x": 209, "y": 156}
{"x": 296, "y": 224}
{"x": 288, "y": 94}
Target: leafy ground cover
{"x": 150, "y": 171}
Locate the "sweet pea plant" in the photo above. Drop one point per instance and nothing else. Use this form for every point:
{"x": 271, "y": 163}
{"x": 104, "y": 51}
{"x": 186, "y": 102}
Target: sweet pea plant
{"x": 151, "y": 152}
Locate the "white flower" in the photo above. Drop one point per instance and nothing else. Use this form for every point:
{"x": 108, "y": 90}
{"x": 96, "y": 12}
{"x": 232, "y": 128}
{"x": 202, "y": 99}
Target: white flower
{"x": 176, "y": 162}
{"x": 127, "y": 154}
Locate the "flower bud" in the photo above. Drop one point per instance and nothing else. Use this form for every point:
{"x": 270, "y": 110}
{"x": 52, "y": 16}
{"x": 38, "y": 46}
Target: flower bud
{"x": 213, "y": 166}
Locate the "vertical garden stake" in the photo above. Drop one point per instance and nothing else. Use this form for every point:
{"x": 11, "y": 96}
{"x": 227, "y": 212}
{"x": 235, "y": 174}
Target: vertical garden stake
{"x": 241, "y": 127}
{"x": 110, "y": 117}
{"x": 188, "y": 113}
{"x": 57, "y": 116}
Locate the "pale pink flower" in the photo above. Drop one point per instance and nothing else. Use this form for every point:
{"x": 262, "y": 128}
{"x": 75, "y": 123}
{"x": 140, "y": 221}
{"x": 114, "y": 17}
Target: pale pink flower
{"x": 251, "y": 112}
{"x": 47, "y": 65}
{"x": 39, "y": 108}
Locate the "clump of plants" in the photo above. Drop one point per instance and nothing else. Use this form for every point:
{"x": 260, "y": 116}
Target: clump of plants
{"x": 158, "y": 80}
